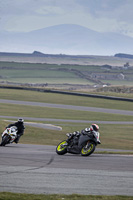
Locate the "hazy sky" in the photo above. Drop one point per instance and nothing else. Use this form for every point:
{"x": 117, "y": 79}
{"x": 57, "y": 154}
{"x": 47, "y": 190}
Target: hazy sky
{"x": 98, "y": 15}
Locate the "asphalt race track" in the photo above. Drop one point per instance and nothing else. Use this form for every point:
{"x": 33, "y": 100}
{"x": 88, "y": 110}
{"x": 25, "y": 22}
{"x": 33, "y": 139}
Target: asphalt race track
{"x": 38, "y": 169}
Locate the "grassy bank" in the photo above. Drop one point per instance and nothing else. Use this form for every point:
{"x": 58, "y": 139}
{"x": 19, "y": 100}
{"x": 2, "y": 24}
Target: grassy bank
{"x": 23, "y": 95}
{"x": 18, "y": 196}
{"x": 112, "y": 136}
{"x": 57, "y": 113}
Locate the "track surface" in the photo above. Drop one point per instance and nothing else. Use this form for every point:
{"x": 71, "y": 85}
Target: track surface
{"x": 38, "y": 169}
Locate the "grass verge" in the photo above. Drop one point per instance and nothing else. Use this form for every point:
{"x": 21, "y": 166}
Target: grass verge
{"x": 111, "y": 136}
{"x": 20, "y": 196}
{"x": 63, "y": 99}
{"x": 56, "y": 113}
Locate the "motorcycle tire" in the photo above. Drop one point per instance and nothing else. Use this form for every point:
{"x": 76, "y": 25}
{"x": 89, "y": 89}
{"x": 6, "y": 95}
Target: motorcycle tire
{"x": 5, "y": 140}
{"x": 60, "y": 149}
{"x": 88, "y": 149}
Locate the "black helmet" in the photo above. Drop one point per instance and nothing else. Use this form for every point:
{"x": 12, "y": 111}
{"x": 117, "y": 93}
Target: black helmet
{"x": 94, "y": 127}
{"x": 20, "y": 120}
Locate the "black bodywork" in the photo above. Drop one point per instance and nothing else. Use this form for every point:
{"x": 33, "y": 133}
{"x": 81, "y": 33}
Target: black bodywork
{"x": 77, "y": 142}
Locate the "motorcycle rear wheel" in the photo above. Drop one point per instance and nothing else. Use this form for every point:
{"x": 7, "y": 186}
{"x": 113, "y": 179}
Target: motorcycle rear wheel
{"x": 61, "y": 148}
{"x": 88, "y": 149}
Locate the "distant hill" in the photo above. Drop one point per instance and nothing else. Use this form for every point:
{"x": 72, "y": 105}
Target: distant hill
{"x": 66, "y": 39}
{"x": 122, "y": 55}
{"x": 34, "y": 54}
{"x": 40, "y": 54}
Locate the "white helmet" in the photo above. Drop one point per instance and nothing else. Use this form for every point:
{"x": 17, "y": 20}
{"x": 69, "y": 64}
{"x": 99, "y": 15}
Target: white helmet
{"x": 94, "y": 127}
{"x": 20, "y": 120}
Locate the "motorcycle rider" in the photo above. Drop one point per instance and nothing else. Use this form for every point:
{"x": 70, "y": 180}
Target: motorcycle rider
{"x": 93, "y": 129}
{"x": 20, "y": 127}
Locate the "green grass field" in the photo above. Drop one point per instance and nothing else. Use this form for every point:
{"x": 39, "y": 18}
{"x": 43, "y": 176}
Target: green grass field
{"x": 63, "y": 99}
{"x": 19, "y": 196}
{"x": 62, "y": 74}
{"x": 41, "y": 76}
{"x": 58, "y": 113}
{"x": 119, "y": 82}
{"x": 40, "y": 73}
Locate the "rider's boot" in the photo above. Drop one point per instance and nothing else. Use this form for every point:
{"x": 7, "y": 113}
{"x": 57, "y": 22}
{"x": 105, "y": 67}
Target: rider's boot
{"x": 17, "y": 139}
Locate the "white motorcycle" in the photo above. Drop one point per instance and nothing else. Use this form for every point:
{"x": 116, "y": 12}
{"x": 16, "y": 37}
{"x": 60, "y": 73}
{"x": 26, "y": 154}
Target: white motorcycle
{"x": 9, "y": 135}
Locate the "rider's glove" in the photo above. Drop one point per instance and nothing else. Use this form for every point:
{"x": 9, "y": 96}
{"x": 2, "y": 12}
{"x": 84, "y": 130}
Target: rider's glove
{"x": 77, "y": 133}
{"x": 87, "y": 129}
{"x": 69, "y": 134}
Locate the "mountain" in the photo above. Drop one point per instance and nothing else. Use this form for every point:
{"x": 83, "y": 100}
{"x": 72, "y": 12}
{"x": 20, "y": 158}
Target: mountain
{"x": 66, "y": 39}
{"x": 122, "y": 55}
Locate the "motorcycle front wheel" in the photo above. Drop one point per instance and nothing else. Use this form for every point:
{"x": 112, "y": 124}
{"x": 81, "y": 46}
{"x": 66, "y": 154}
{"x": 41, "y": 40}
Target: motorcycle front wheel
{"x": 5, "y": 140}
{"x": 88, "y": 149}
{"x": 61, "y": 148}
